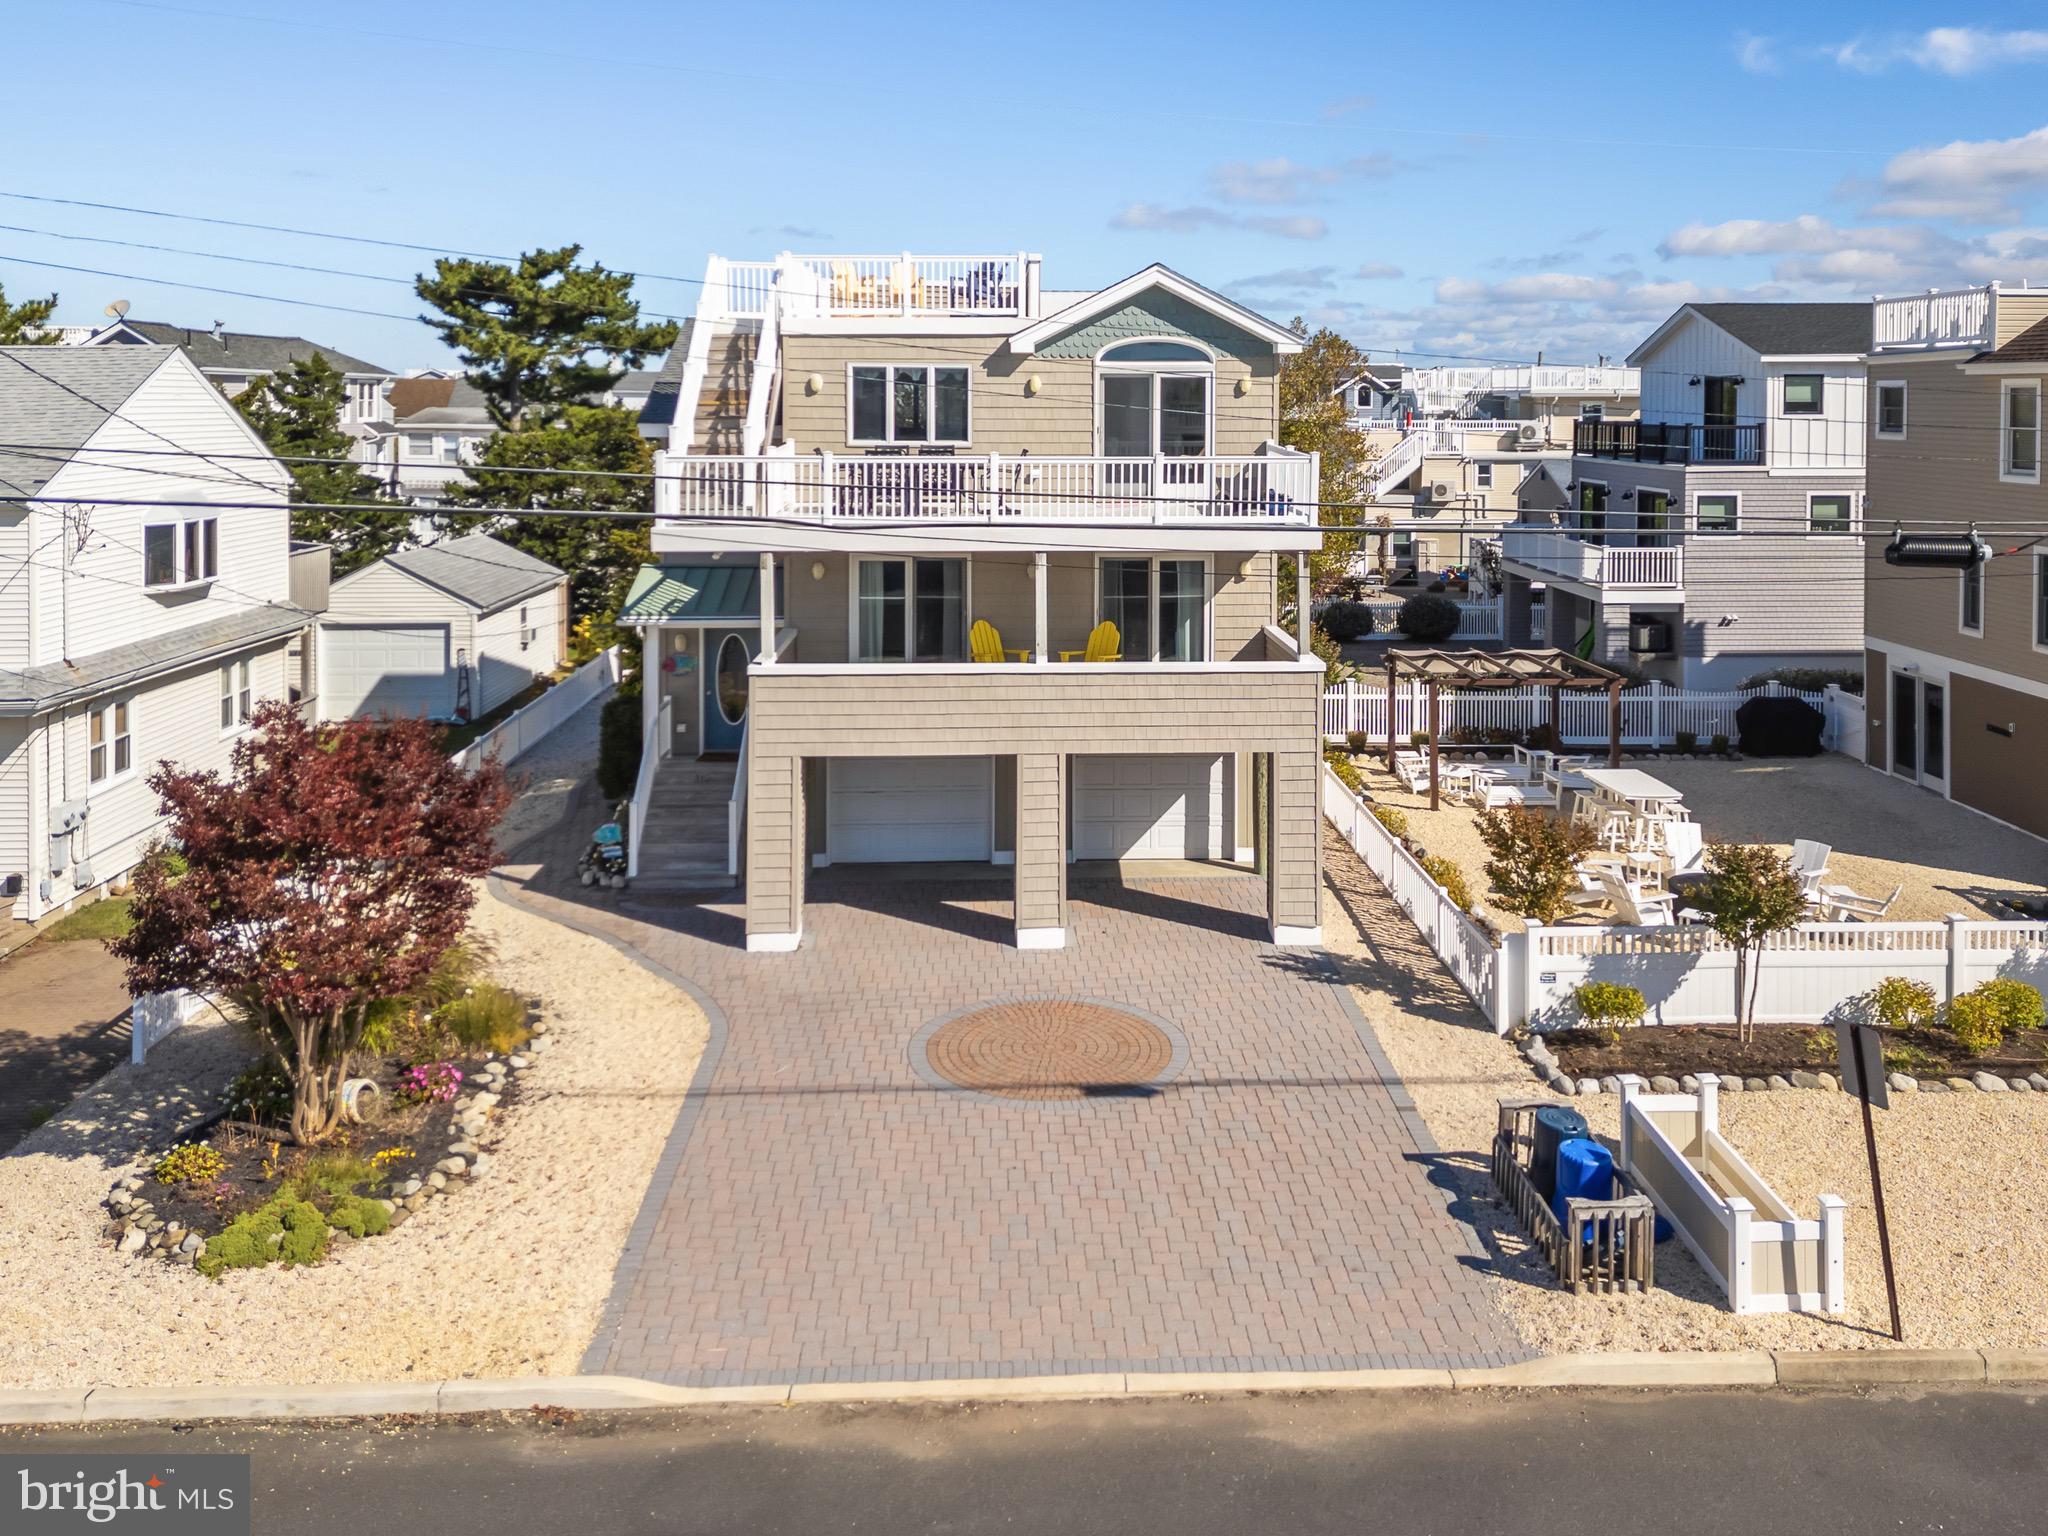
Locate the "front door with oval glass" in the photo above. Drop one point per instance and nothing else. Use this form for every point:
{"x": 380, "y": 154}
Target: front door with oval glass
{"x": 727, "y": 654}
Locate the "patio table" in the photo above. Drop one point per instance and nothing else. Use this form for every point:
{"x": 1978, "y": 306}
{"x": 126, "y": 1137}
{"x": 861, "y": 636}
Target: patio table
{"x": 1638, "y": 788}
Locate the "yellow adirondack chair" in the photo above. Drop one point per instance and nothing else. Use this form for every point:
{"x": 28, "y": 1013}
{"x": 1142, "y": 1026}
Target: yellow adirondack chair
{"x": 1104, "y": 644}
{"x": 985, "y": 643}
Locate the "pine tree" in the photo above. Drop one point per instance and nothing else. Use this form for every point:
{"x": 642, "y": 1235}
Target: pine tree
{"x": 543, "y": 335}
{"x": 27, "y": 324}
{"x": 298, "y": 414}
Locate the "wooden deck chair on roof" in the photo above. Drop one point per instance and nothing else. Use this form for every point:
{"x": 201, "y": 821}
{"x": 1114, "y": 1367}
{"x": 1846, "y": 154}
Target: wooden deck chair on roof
{"x": 985, "y": 644}
{"x": 1104, "y": 644}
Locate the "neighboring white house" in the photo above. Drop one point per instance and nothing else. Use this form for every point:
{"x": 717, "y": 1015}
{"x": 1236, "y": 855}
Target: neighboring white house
{"x": 146, "y": 602}
{"x": 438, "y": 425}
{"x": 449, "y": 631}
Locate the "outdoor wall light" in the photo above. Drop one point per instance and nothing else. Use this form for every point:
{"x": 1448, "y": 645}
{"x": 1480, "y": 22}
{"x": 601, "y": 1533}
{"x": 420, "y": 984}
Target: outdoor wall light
{"x": 1243, "y": 388}
{"x": 813, "y": 384}
{"x": 1629, "y": 494}
{"x": 1031, "y": 385}
{"x": 1693, "y": 382}
{"x": 817, "y": 570}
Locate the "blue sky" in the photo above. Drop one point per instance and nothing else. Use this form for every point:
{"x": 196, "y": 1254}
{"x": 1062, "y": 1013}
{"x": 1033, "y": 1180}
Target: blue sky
{"x": 1452, "y": 183}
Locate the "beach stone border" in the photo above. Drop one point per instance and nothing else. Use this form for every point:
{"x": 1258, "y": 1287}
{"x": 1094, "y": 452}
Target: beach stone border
{"x": 1543, "y": 1062}
{"x": 136, "y": 1227}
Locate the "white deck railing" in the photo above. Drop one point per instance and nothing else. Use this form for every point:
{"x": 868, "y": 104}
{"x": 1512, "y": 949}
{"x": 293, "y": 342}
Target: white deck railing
{"x": 1651, "y": 715}
{"x": 736, "y": 807}
{"x": 653, "y": 748}
{"x": 1957, "y": 317}
{"x": 1276, "y": 487}
{"x": 1576, "y": 559}
{"x": 902, "y": 283}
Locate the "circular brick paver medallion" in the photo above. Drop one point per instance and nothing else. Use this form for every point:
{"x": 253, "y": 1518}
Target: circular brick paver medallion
{"x": 1049, "y": 1050}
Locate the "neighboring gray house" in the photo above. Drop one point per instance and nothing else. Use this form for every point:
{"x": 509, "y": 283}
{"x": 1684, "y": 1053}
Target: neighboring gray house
{"x": 439, "y": 425}
{"x": 233, "y": 359}
{"x": 1718, "y": 536}
{"x": 449, "y": 631}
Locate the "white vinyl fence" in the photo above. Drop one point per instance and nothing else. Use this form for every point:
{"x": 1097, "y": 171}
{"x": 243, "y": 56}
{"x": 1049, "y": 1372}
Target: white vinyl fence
{"x": 1651, "y": 716}
{"x": 517, "y": 732}
{"x": 154, "y": 1015}
{"x": 1478, "y": 618}
{"x": 1685, "y": 973}
{"x": 1459, "y": 942}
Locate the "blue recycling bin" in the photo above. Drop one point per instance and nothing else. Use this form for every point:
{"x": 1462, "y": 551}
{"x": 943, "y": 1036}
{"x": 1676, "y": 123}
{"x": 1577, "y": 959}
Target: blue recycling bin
{"x": 1555, "y": 1125}
{"x": 1585, "y": 1171}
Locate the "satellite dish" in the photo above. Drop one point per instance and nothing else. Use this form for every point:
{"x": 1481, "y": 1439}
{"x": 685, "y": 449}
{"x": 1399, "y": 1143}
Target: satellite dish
{"x": 118, "y": 310}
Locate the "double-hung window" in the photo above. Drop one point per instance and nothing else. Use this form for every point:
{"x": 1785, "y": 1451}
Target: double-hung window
{"x": 2020, "y": 435}
{"x": 1803, "y": 394}
{"x": 1827, "y": 514}
{"x": 1971, "y": 615}
{"x": 1482, "y": 476}
{"x": 1891, "y": 408}
{"x": 180, "y": 554}
{"x": 110, "y": 749}
{"x": 1159, "y": 607}
{"x": 237, "y": 696}
{"x": 1715, "y": 514}
{"x": 911, "y": 610}
{"x": 897, "y": 403}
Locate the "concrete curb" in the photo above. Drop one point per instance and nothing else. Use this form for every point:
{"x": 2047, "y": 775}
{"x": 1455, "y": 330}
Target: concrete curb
{"x": 1795, "y": 1369}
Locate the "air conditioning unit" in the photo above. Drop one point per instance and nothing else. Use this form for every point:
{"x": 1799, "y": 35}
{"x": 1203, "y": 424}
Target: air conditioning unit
{"x": 1440, "y": 491}
{"x": 1649, "y": 636}
{"x": 1528, "y": 434}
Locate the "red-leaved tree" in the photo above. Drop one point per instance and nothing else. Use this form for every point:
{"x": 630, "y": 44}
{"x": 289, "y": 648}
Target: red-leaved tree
{"x": 333, "y": 868}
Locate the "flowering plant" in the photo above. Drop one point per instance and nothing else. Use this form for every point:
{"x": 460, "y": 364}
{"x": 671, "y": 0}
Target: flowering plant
{"x": 434, "y": 1082}
{"x": 189, "y": 1163}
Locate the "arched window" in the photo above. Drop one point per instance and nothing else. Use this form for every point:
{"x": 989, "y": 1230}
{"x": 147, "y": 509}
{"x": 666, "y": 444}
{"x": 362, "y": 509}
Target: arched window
{"x": 1153, "y": 396}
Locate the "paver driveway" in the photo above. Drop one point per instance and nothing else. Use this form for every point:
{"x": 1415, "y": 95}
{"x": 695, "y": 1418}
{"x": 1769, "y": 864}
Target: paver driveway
{"x": 825, "y": 1211}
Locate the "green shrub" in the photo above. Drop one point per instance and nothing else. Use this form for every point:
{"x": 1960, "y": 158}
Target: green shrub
{"x": 1686, "y": 741}
{"x": 1347, "y": 772}
{"x": 1427, "y": 616}
{"x": 359, "y": 1217}
{"x": 190, "y": 1162}
{"x": 1328, "y": 653}
{"x": 1610, "y": 1006}
{"x": 2016, "y": 1005}
{"x": 334, "y": 1174}
{"x": 1451, "y": 878}
{"x": 1809, "y": 679}
{"x": 1976, "y": 1021}
{"x": 283, "y": 1230}
{"x": 1418, "y": 738}
{"x": 619, "y": 735}
{"x": 1358, "y": 742}
{"x": 402, "y": 1025}
{"x": 1720, "y": 742}
{"x": 1392, "y": 817}
{"x": 1899, "y": 1002}
{"x": 262, "y": 1094}
{"x": 489, "y": 1018}
{"x": 1347, "y": 621}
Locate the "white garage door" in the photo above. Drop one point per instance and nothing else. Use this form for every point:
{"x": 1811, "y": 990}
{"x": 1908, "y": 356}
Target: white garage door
{"x": 374, "y": 669}
{"x": 901, "y": 809}
{"x": 1148, "y": 808}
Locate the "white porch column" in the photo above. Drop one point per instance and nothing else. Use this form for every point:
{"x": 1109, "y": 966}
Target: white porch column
{"x": 1041, "y": 575}
{"x": 767, "y": 609}
{"x": 1301, "y": 623}
{"x": 650, "y": 679}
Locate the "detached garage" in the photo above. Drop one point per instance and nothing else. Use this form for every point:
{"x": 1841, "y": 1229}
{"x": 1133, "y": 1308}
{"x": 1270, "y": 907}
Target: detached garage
{"x": 449, "y": 631}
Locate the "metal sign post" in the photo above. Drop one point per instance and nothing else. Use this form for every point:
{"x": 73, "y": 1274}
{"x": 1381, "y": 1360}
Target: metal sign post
{"x": 1859, "y": 1052}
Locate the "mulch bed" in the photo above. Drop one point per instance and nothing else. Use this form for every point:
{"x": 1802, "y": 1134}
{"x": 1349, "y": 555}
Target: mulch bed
{"x": 1675, "y": 1050}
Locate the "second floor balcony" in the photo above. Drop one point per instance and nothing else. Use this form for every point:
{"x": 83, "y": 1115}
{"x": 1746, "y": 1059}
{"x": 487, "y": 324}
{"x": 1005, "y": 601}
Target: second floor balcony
{"x": 1670, "y": 442}
{"x": 1276, "y": 488}
{"x": 1575, "y": 557}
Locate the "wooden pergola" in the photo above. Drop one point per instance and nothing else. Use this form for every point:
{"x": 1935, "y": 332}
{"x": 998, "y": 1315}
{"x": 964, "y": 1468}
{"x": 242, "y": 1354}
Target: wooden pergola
{"x": 1552, "y": 669}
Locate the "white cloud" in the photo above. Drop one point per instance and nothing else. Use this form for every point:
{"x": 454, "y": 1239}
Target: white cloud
{"x": 1944, "y": 50}
{"x": 1291, "y": 280}
{"x": 1537, "y": 288}
{"x": 1835, "y": 259}
{"x": 1758, "y": 55}
{"x": 1188, "y": 219}
{"x": 1976, "y": 181}
{"x": 1281, "y": 180}
{"x": 1808, "y": 234}
{"x": 1375, "y": 270}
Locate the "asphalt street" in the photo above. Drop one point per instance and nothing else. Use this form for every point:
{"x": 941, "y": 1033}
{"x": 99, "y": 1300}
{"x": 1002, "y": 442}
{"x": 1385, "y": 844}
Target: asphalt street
{"x": 1532, "y": 1463}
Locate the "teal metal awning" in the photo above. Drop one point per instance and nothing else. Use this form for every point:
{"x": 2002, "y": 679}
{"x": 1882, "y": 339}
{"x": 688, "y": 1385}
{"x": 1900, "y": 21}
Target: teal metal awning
{"x": 691, "y": 594}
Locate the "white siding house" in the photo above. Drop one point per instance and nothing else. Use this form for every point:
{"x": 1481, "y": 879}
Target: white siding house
{"x": 449, "y": 631}
{"x": 144, "y": 602}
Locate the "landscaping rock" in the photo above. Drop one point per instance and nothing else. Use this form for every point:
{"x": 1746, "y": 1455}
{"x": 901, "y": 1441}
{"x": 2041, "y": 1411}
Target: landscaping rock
{"x": 437, "y": 1180}
{"x": 390, "y": 1207}
{"x": 1757, "y": 1084}
{"x": 409, "y": 1187}
{"x": 133, "y": 1239}
{"x": 462, "y": 1149}
{"x": 1809, "y": 1080}
{"x": 1663, "y": 1085}
{"x": 1731, "y": 1085}
{"x": 399, "y": 1218}
{"x": 485, "y": 1100}
{"x": 193, "y": 1243}
{"x": 2020, "y": 1085}
{"x": 1899, "y": 1082}
{"x": 538, "y": 1044}
{"x": 1776, "y": 1080}
{"x": 1934, "y": 1087}
{"x": 415, "y": 1201}
{"x": 1958, "y": 1084}
{"x": 1990, "y": 1082}
{"x": 1610, "y": 1085}
{"x": 1589, "y": 1085}
{"x": 2040, "y": 1083}
{"x": 481, "y": 1166}
{"x": 450, "y": 1165}
{"x": 1562, "y": 1084}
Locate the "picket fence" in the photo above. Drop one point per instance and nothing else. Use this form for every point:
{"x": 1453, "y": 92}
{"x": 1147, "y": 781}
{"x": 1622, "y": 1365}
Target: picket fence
{"x": 518, "y": 732}
{"x": 1478, "y": 618}
{"x": 156, "y": 1015}
{"x": 1685, "y": 973}
{"x": 1651, "y": 715}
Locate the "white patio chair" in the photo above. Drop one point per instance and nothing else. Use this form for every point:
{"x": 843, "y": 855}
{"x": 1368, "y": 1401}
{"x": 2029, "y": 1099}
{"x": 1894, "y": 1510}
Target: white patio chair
{"x": 1637, "y": 905}
{"x": 1809, "y": 863}
{"x": 1840, "y": 899}
{"x": 1685, "y": 846}
{"x": 1497, "y": 793}
{"x": 1413, "y": 771}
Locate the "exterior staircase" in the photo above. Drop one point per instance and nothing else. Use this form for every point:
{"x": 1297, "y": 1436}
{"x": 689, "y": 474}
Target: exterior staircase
{"x": 683, "y": 846}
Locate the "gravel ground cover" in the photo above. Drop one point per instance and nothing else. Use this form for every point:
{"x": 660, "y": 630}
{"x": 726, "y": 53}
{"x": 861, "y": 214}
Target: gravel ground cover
{"x": 1966, "y": 1186}
{"x": 504, "y": 1278}
{"x": 1884, "y": 833}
